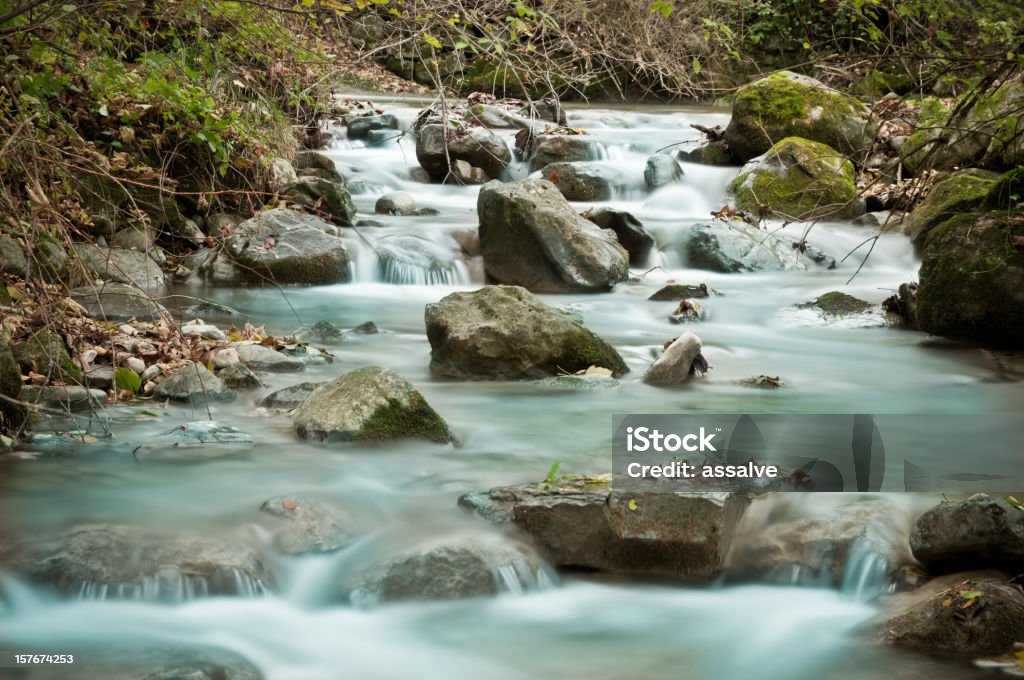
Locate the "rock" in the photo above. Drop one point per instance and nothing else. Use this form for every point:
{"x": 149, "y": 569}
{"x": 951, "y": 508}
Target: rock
{"x": 260, "y": 358}
{"x": 324, "y": 331}
{"x": 224, "y": 357}
{"x": 546, "y": 109}
{"x": 289, "y": 397}
{"x": 890, "y": 220}
{"x": 629, "y": 230}
{"x": 968, "y": 614}
{"x": 281, "y": 175}
{"x": 101, "y": 377}
{"x": 316, "y": 164}
{"x": 45, "y": 353}
{"x": 104, "y": 561}
{"x": 213, "y": 266}
{"x": 409, "y": 259}
{"x": 582, "y": 524}
{"x": 239, "y": 376}
{"x": 530, "y": 236}
{"x": 786, "y": 104}
{"x": 735, "y": 246}
{"x": 495, "y": 117}
{"x": 562, "y": 149}
{"x": 205, "y": 432}
{"x": 121, "y": 266}
{"x": 396, "y": 203}
{"x": 12, "y": 257}
{"x": 193, "y": 383}
{"x": 360, "y": 128}
{"x": 136, "y": 236}
{"x": 204, "y": 671}
{"x": 982, "y": 133}
{"x": 288, "y": 247}
{"x": 661, "y": 169}
{"x": 323, "y": 197}
{"x": 961, "y": 192}
{"x": 452, "y": 567}
{"x": 980, "y": 532}
{"x": 798, "y": 180}
{"x": 366, "y": 328}
{"x": 369, "y": 404}
{"x": 822, "y": 549}
{"x": 972, "y": 281}
{"x": 199, "y": 328}
{"x": 582, "y": 181}
{"x": 476, "y": 145}
{"x": 675, "y": 364}
{"x": 464, "y": 173}
{"x": 709, "y": 153}
{"x": 13, "y": 416}
{"x": 837, "y": 304}
{"x": 579, "y": 383}
{"x": 118, "y": 302}
{"x": 306, "y": 526}
{"x": 504, "y": 332}
{"x": 675, "y": 292}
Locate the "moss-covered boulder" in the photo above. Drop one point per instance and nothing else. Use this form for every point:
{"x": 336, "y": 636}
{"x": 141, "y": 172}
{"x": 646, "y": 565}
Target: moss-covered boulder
{"x": 798, "y": 179}
{"x": 988, "y": 133}
{"x": 530, "y": 236}
{"x": 12, "y": 257}
{"x": 710, "y": 153}
{"x": 369, "y": 404}
{"x": 45, "y": 353}
{"x": 786, "y": 104}
{"x": 505, "y": 332}
{"x": 972, "y": 280}
{"x": 12, "y": 416}
{"x": 283, "y": 246}
{"x": 324, "y": 196}
{"x": 963, "y": 191}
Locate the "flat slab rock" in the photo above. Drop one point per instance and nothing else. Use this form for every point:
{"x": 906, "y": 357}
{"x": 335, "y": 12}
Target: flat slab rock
{"x": 587, "y": 524}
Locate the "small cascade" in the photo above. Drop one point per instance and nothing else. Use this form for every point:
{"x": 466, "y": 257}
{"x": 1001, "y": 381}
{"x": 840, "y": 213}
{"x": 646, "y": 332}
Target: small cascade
{"x": 867, "y": 572}
{"x": 170, "y": 585}
{"x": 404, "y": 259}
{"x": 518, "y": 577}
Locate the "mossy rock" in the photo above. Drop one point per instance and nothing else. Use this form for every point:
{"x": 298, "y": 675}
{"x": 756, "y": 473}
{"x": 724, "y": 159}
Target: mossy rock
{"x": 12, "y": 416}
{"x": 972, "y": 281}
{"x": 12, "y": 257}
{"x": 711, "y": 153}
{"x": 675, "y": 292}
{"x": 786, "y": 104}
{"x": 45, "y": 353}
{"x": 371, "y": 404}
{"x": 963, "y": 191}
{"x": 1008, "y": 191}
{"x": 836, "y": 303}
{"x": 798, "y": 179}
{"x": 325, "y": 196}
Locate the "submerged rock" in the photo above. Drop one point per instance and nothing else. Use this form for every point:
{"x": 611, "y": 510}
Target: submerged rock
{"x": 530, "y": 236}
{"x": 193, "y": 383}
{"x": 735, "y": 246}
{"x": 798, "y": 180}
{"x": 980, "y": 532}
{"x": 786, "y": 104}
{"x": 306, "y": 526}
{"x": 450, "y": 568}
{"x": 675, "y": 365}
{"x": 676, "y": 292}
{"x": 369, "y": 404}
{"x": 582, "y": 524}
{"x": 285, "y": 247}
{"x": 504, "y": 332}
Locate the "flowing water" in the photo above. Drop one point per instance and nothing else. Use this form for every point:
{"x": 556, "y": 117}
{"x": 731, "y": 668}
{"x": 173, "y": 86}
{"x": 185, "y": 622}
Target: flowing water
{"x": 509, "y": 432}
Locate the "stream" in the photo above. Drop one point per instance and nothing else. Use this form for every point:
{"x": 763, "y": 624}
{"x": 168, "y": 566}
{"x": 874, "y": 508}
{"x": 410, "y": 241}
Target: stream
{"x": 509, "y": 432}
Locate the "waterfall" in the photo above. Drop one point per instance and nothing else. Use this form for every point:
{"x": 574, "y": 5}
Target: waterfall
{"x": 867, "y": 572}
{"x": 170, "y": 585}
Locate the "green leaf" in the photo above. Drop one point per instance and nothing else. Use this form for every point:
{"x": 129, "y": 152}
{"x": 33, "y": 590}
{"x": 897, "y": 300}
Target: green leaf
{"x": 432, "y": 41}
{"x": 553, "y": 470}
{"x": 151, "y": 412}
{"x": 696, "y": 65}
{"x": 127, "y": 379}
{"x": 461, "y": 44}
{"x": 970, "y": 594}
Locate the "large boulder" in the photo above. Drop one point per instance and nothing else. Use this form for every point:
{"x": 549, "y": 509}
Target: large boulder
{"x": 118, "y": 302}
{"x": 632, "y": 236}
{"x": 550, "y": 149}
{"x": 120, "y": 266}
{"x": 284, "y": 246}
{"x": 361, "y": 127}
{"x": 675, "y": 364}
{"x": 530, "y": 236}
{"x": 584, "y": 181}
{"x": 504, "y": 332}
{"x": 972, "y": 280}
{"x": 799, "y": 180}
{"x": 961, "y": 192}
{"x": 977, "y": 533}
{"x": 586, "y": 524}
{"x": 736, "y": 246}
{"x": 450, "y": 567}
{"x": 786, "y": 104}
{"x": 12, "y": 415}
{"x": 105, "y": 561}
{"x": 193, "y": 383}
{"x": 322, "y": 196}
{"x": 967, "y": 614}
{"x": 477, "y": 146}
{"x": 369, "y": 404}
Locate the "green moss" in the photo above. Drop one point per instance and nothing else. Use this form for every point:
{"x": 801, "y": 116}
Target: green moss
{"x": 585, "y": 349}
{"x": 12, "y": 416}
{"x": 46, "y": 354}
{"x": 961, "y": 192}
{"x": 415, "y": 420}
{"x": 839, "y": 304}
{"x": 1008, "y": 192}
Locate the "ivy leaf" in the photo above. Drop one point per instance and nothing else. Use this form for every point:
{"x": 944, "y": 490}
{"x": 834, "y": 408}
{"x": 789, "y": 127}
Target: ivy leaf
{"x": 127, "y": 379}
